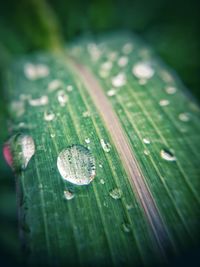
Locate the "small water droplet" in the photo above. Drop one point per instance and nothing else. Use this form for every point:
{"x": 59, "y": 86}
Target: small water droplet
{"x": 126, "y": 227}
{"x": 86, "y": 114}
{"x": 102, "y": 181}
{"x": 146, "y": 141}
{"x": 164, "y": 102}
{"x": 48, "y": 116}
{"x": 100, "y": 166}
{"x": 106, "y": 146}
{"x": 111, "y": 92}
{"x": 42, "y": 101}
{"x": 17, "y": 108}
{"x": 52, "y": 135}
{"x": 68, "y": 195}
{"x": 119, "y": 80}
{"x": 76, "y": 165}
{"x": 54, "y": 85}
{"x": 170, "y": 90}
{"x": 122, "y": 61}
{"x": 33, "y": 72}
{"x": 62, "y": 98}
{"x": 167, "y": 155}
{"x": 87, "y": 140}
{"x": 129, "y": 206}
{"x": 143, "y": 70}
{"x": 69, "y": 88}
{"x": 127, "y": 48}
{"x": 146, "y": 152}
{"x": 184, "y": 117}
{"x": 107, "y": 65}
{"x": 116, "y": 193}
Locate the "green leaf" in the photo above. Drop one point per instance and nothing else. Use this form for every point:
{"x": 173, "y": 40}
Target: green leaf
{"x": 112, "y": 101}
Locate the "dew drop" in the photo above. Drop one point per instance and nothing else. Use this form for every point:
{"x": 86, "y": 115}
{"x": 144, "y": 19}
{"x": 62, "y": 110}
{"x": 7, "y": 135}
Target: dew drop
{"x": 42, "y": 101}
{"x": 126, "y": 227}
{"x": 115, "y": 193}
{"x": 106, "y": 146}
{"x": 164, "y": 102}
{"x": 76, "y": 165}
{"x": 146, "y": 152}
{"x": 127, "y": 48}
{"x": 122, "y": 61}
{"x": 62, "y": 98}
{"x": 87, "y": 140}
{"x": 119, "y": 80}
{"x": 100, "y": 166}
{"x": 68, "y": 195}
{"x": 69, "y": 88}
{"x": 48, "y": 116}
{"x": 86, "y": 114}
{"x": 143, "y": 70}
{"x": 129, "y": 206}
{"x": 146, "y": 141}
{"x": 33, "y": 72}
{"x": 184, "y": 117}
{"x": 111, "y": 92}
{"x": 54, "y": 85}
{"x": 102, "y": 181}
{"x": 167, "y": 155}
{"x": 170, "y": 90}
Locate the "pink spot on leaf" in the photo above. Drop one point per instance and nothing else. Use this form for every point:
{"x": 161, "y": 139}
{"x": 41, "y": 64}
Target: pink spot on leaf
{"x": 7, "y": 154}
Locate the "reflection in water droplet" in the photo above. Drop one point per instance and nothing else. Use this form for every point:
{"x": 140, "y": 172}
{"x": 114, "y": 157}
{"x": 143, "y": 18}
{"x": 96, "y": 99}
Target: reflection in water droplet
{"x": 62, "y": 98}
{"x": 146, "y": 141}
{"x": 184, "y": 117}
{"x": 122, "y": 61}
{"x": 170, "y": 90}
{"x": 42, "y": 101}
{"x": 164, "y": 102}
{"x": 19, "y": 150}
{"x": 167, "y": 155}
{"x": 127, "y": 48}
{"x": 119, "y": 80}
{"x": 48, "y": 116}
{"x": 143, "y": 70}
{"x": 68, "y": 195}
{"x": 126, "y": 227}
{"x": 115, "y": 193}
{"x": 76, "y": 165}
{"x": 54, "y": 85}
{"x": 33, "y": 72}
{"x": 111, "y": 92}
{"x": 106, "y": 146}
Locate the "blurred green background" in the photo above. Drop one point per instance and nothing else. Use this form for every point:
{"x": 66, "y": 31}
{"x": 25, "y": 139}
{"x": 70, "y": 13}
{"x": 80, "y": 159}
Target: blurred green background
{"x": 170, "y": 27}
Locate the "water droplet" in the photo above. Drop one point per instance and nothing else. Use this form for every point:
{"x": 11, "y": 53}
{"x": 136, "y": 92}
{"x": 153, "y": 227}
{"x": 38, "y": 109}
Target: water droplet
{"x": 52, "y": 135}
{"x": 127, "y": 48}
{"x": 103, "y": 73}
{"x": 42, "y": 101}
{"x": 146, "y": 152}
{"x": 126, "y": 227}
{"x": 170, "y": 90}
{"x": 100, "y": 166}
{"x": 19, "y": 150}
{"x": 119, "y": 80}
{"x": 102, "y": 181}
{"x": 17, "y": 108}
{"x": 76, "y": 165}
{"x": 167, "y": 155}
{"x": 146, "y": 141}
{"x": 69, "y": 88}
{"x": 106, "y": 146}
{"x": 86, "y": 114}
{"x": 129, "y": 206}
{"x": 54, "y": 85}
{"x": 122, "y": 61}
{"x": 33, "y": 72}
{"x": 48, "y": 116}
{"x": 62, "y": 98}
{"x": 115, "y": 193}
{"x": 107, "y": 65}
{"x": 68, "y": 195}
{"x": 111, "y": 92}
{"x": 184, "y": 117}
{"x": 143, "y": 70}
{"x": 87, "y": 140}
{"x": 164, "y": 102}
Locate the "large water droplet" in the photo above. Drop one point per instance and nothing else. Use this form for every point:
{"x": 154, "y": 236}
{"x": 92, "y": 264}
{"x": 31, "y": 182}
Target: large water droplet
{"x": 116, "y": 193}
{"x": 143, "y": 70}
{"x": 111, "y": 92}
{"x": 164, "y": 102}
{"x": 18, "y": 151}
{"x": 48, "y": 116}
{"x": 167, "y": 155}
{"x": 76, "y": 165}
{"x": 184, "y": 117}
